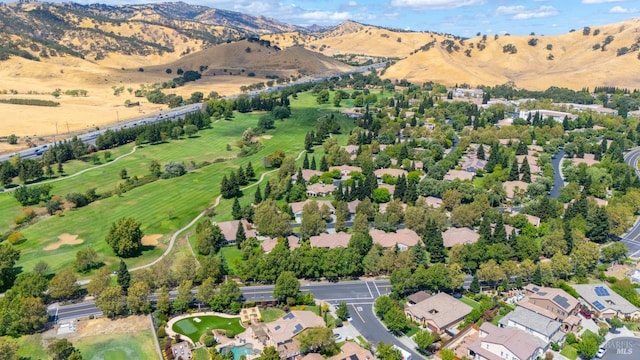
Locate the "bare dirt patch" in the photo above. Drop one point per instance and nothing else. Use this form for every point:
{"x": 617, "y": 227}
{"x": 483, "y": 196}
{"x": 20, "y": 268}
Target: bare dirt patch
{"x": 105, "y": 326}
{"x": 618, "y": 271}
{"x": 64, "y": 239}
{"x": 151, "y": 240}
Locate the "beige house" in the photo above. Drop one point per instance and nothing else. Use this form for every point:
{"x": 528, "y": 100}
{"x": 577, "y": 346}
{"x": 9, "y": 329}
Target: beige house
{"x": 229, "y": 229}
{"x": 606, "y": 303}
{"x": 346, "y": 170}
{"x": 506, "y": 343}
{"x": 320, "y": 189}
{"x": 268, "y": 244}
{"x": 297, "y": 207}
{"x": 391, "y": 172}
{"x": 459, "y": 236}
{"x": 307, "y": 174}
{"x": 459, "y": 174}
{"x": 438, "y": 313}
{"x": 510, "y": 187}
{"x": 553, "y": 303}
{"x": 282, "y": 332}
{"x": 404, "y": 238}
{"x": 330, "y": 241}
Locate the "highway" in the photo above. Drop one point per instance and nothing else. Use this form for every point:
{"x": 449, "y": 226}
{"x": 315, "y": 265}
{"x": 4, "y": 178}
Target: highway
{"x": 632, "y": 237}
{"x": 358, "y": 294}
{"x": 90, "y": 137}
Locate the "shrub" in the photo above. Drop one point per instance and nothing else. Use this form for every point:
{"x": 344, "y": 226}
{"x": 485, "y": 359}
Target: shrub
{"x": 25, "y": 217}
{"x": 230, "y": 334}
{"x": 338, "y": 323}
{"x": 161, "y": 332}
{"x": 15, "y": 237}
{"x": 209, "y": 340}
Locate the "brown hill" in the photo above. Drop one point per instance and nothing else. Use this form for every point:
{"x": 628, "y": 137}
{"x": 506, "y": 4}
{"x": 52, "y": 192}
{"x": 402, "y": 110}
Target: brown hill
{"x": 574, "y": 60}
{"x": 244, "y": 57}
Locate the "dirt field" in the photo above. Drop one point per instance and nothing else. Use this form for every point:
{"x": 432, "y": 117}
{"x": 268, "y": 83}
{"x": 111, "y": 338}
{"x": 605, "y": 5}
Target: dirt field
{"x": 151, "y": 240}
{"x": 64, "y": 239}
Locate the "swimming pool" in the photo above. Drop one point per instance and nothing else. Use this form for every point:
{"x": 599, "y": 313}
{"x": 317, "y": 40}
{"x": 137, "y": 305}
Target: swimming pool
{"x": 238, "y": 351}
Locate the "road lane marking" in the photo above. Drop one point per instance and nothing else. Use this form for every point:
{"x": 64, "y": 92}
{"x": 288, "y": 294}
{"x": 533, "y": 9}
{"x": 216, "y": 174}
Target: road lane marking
{"x": 347, "y": 299}
{"x": 370, "y": 293}
{"x": 376, "y": 286}
{"x": 358, "y": 313}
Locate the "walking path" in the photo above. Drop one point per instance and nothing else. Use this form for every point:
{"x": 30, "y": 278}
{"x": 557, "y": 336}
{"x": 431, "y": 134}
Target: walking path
{"x": 195, "y": 220}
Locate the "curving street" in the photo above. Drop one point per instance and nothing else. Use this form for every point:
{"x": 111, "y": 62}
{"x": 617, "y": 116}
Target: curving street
{"x": 632, "y": 237}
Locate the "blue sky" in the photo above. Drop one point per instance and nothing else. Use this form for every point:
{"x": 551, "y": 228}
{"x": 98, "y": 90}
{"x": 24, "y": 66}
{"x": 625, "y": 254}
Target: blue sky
{"x": 458, "y": 17}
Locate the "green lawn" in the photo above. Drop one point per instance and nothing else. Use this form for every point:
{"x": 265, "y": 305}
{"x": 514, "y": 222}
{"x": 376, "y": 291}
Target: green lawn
{"x": 194, "y": 329}
{"x": 162, "y": 206}
{"x": 474, "y": 304}
{"x": 271, "y": 314}
{"x": 412, "y": 330}
{"x": 31, "y": 347}
{"x": 569, "y": 352}
{"x": 118, "y": 346}
{"x": 201, "y": 354}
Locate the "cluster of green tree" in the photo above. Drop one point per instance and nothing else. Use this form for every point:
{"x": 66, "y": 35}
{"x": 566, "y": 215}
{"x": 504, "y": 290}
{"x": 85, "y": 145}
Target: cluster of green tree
{"x": 24, "y": 169}
{"x": 230, "y": 186}
{"x": 152, "y": 133}
{"x": 31, "y": 102}
{"x": 391, "y": 313}
{"x": 32, "y": 195}
{"x": 64, "y": 151}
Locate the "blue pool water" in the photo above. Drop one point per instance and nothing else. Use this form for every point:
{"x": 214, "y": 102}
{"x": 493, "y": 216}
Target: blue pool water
{"x": 238, "y": 351}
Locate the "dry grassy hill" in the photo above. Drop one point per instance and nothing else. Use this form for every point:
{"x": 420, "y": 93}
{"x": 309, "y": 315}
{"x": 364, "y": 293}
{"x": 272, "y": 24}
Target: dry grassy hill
{"x": 573, "y": 60}
{"x": 244, "y": 57}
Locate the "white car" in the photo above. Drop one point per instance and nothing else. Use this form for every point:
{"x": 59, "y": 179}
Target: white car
{"x": 601, "y": 352}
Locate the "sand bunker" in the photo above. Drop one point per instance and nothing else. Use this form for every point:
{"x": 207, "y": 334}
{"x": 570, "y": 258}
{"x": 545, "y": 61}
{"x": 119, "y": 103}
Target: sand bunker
{"x": 64, "y": 239}
{"x": 149, "y": 240}
{"x": 266, "y": 137}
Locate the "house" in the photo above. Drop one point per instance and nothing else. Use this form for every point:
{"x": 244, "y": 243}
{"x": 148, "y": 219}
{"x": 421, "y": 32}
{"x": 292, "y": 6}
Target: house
{"x": 433, "y": 202}
{"x": 352, "y": 113}
{"x": 307, "y": 174}
{"x": 506, "y": 343}
{"x": 383, "y": 207}
{"x": 588, "y": 159}
{"x": 553, "y": 303}
{"x": 346, "y": 170}
{"x": 330, "y": 241}
{"x": 544, "y": 114}
{"x": 512, "y": 188}
{"x": 268, "y": 244}
{"x": 418, "y": 297}
{"x": 548, "y": 330}
{"x": 533, "y": 220}
{"x": 352, "y": 206}
{"x": 459, "y": 174}
{"x": 282, "y": 332}
{"x": 229, "y": 229}
{"x": 454, "y": 236}
{"x": 297, "y": 207}
{"x": 352, "y": 150}
{"x": 438, "y": 313}
{"x": 634, "y": 114}
{"x": 182, "y": 350}
{"x": 404, "y": 238}
{"x": 315, "y": 190}
{"x": 605, "y": 302}
{"x": 390, "y": 188}
{"x": 396, "y": 173}
{"x": 595, "y": 108}
{"x": 352, "y": 351}
{"x": 468, "y": 93}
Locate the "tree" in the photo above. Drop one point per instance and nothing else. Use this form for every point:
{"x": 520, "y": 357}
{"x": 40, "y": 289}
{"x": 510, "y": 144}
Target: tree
{"x": 190, "y": 130}
{"x": 614, "y": 252}
{"x": 433, "y": 241}
{"x": 424, "y": 339}
{"x": 480, "y": 152}
{"x": 8, "y": 348}
{"x": 61, "y": 349}
{"x": 184, "y": 297}
{"x": 514, "y": 174}
{"x": 269, "y": 221}
{"x": 112, "y": 301}
{"x": 123, "y": 174}
{"x": 209, "y": 238}
{"x": 257, "y": 198}
{"x": 240, "y": 234}
{"x": 525, "y": 170}
{"x": 317, "y": 340}
{"x": 206, "y": 291}
{"x": 137, "y": 297}
{"x": 63, "y": 285}
{"x": 8, "y": 258}
{"x": 249, "y": 173}
{"x": 343, "y": 311}
{"x": 382, "y": 305}
{"x": 615, "y": 324}
{"x": 125, "y": 237}
{"x": 86, "y": 259}
{"x": 236, "y": 210}
{"x": 588, "y": 346}
{"x": 287, "y": 286}
{"x": 388, "y": 352}
{"x": 474, "y": 288}
{"x": 99, "y": 281}
{"x": 228, "y": 299}
{"x": 312, "y": 221}
{"x": 124, "y": 277}
{"x": 447, "y": 354}
{"x": 269, "y": 353}
{"x": 396, "y": 320}
{"x": 598, "y": 230}
{"x": 30, "y": 285}
{"x": 155, "y": 169}
{"x": 163, "y": 306}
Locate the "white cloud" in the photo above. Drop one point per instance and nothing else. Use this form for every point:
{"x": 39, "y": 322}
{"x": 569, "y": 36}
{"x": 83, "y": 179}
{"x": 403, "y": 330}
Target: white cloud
{"x": 621, "y": 10}
{"x": 435, "y": 4}
{"x": 352, "y": 3}
{"x": 600, "y": 1}
{"x": 520, "y": 12}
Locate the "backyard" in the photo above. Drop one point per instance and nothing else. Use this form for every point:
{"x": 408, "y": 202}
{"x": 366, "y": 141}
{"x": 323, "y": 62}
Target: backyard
{"x": 195, "y": 327}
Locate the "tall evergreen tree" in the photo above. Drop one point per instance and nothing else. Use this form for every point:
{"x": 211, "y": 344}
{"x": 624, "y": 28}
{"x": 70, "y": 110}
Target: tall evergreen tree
{"x": 514, "y": 174}
{"x": 537, "y": 276}
{"x": 249, "y": 172}
{"x": 567, "y": 235}
{"x": 236, "y": 209}
{"x": 411, "y": 194}
{"x": 240, "y": 235}
{"x": 313, "y": 163}
{"x": 433, "y": 242}
{"x": 499, "y": 232}
{"x": 305, "y": 162}
{"x": 480, "y": 152}
{"x": 324, "y": 165}
{"x": 400, "y": 187}
{"x": 267, "y": 190}
{"x": 124, "y": 277}
{"x": 525, "y": 170}
{"x": 474, "y": 288}
{"x": 521, "y": 149}
{"x": 485, "y": 230}
{"x": 598, "y": 229}
{"x": 242, "y": 178}
{"x": 257, "y": 198}
{"x": 300, "y": 179}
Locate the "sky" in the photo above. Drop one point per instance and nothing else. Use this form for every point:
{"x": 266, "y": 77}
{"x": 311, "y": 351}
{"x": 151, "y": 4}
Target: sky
{"x": 458, "y": 17}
